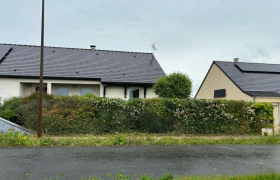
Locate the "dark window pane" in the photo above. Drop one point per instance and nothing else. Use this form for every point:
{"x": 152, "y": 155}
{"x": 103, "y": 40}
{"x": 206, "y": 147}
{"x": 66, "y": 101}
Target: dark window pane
{"x": 134, "y": 93}
{"x": 44, "y": 89}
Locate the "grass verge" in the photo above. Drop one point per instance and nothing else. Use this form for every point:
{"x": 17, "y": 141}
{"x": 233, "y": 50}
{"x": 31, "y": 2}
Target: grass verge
{"x": 119, "y": 139}
{"x": 270, "y": 175}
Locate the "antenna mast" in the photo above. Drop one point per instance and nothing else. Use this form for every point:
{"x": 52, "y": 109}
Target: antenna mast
{"x": 154, "y": 48}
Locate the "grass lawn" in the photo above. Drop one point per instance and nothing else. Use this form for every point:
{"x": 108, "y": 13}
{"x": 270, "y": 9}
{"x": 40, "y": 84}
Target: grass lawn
{"x": 132, "y": 139}
{"x": 271, "y": 175}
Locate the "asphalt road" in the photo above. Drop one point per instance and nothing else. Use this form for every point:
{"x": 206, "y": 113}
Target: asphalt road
{"x": 75, "y": 162}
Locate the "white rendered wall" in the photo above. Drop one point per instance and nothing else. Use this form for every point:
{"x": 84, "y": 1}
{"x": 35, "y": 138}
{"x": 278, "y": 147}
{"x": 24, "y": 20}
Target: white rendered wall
{"x": 118, "y": 92}
{"x": 11, "y": 87}
{"x": 25, "y": 91}
{"x": 150, "y": 93}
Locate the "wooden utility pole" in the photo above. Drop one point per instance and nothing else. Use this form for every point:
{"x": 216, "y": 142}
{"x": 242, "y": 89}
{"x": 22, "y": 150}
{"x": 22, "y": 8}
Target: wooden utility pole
{"x": 39, "y": 129}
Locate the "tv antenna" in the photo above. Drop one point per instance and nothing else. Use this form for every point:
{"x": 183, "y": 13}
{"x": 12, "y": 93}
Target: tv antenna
{"x": 154, "y": 48}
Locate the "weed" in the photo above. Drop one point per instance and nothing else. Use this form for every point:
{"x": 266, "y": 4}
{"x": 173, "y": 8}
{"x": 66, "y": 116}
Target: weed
{"x": 270, "y": 175}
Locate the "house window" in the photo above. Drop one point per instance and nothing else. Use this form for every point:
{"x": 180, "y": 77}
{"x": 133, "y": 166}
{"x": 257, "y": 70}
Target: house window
{"x": 219, "y": 93}
{"x": 44, "y": 89}
{"x": 134, "y": 93}
{"x": 62, "y": 92}
{"x": 85, "y": 91}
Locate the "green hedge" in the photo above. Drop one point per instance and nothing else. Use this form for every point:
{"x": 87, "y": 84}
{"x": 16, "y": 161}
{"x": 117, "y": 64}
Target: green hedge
{"x": 95, "y": 115}
{"x": 10, "y": 108}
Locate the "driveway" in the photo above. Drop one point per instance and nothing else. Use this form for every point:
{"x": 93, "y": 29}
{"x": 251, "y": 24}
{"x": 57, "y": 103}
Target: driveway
{"x": 75, "y": 162}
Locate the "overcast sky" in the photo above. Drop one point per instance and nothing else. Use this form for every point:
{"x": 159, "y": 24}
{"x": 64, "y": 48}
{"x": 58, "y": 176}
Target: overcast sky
{"x": 189, "y": 34}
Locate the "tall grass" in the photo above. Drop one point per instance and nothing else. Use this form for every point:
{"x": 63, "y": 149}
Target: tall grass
{"x": 270, "y": 175}
{"x": 120, "y": 139}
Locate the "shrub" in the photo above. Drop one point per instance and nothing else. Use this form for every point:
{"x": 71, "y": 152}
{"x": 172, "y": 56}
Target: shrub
{"x": 82, "y": 115}
{"x": 35, "y": 95}
{"x": 166, "y": 177}
{"x": 175, "y": 85}
{"x": 264, "y": 108}
{"x": 150, "y": 122}
{"x": 87, "y": 115}
{"x": 9, "y": 109}
{"x": 89, "y": 95}
{"x": 28, "y": 113}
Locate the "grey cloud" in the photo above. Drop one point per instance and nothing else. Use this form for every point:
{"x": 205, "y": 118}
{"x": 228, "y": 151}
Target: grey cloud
{"x": 257, "y": 51}
{"x": 188, "y": 34}
{"x": 131, "y": 25}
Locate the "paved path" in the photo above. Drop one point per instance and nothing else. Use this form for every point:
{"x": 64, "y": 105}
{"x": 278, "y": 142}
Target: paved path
{"x": 74, "y": 162}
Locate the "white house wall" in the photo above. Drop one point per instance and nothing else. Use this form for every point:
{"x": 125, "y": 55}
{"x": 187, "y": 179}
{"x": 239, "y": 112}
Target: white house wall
{"x": 25, "y": 91}
{"x": 150, "y": 93}
{"x": 118, "y": 92}
{"x": 115, "y": 91}
{"x": 12, "y": 87}
{"x": 9, "y": 88}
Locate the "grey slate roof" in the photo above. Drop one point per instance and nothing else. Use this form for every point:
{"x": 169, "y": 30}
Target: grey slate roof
{"x": 252, "y": 83}
{"x": 4, "y": 50}
{"x": 73, "y": 63}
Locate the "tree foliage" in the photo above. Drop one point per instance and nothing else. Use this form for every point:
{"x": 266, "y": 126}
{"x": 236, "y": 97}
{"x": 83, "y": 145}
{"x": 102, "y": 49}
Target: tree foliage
{"x": 174, "y": 85}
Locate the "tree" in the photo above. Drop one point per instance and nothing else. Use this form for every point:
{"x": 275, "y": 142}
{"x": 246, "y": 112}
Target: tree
{"x": 174, "y": 85}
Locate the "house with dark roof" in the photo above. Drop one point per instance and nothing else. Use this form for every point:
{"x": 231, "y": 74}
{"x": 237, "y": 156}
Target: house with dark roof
{"x": 236, "y": 80}
{"x": 73, "y": 71}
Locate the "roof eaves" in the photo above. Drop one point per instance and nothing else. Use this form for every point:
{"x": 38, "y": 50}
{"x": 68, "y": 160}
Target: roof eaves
{"x": 127, "y": 83}
{"x": 264, "y": 93}
{"x": 50, "y": 77}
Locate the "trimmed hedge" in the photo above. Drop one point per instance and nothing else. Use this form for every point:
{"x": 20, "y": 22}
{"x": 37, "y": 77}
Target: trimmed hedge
{"x": 83, "y": 115}
{"x": 95, "y": 115}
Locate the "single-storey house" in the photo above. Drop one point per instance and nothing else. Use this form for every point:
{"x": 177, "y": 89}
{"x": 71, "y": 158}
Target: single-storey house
{"x": 236, "y": 80}
{"x": 73, "y": 71}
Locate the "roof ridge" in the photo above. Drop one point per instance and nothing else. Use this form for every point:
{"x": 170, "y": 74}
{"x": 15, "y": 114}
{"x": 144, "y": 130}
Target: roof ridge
{"x": 246, "y": 62}
{"x": 74, "y": 48}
